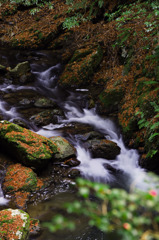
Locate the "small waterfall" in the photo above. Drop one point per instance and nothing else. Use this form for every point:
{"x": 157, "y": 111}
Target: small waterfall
{"x": 48, "y": 77}
{"x": 93, "y": 169}
{"x": 8, "y": 112}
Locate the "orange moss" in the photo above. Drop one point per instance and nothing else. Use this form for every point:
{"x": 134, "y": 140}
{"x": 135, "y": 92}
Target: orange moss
{"x": 21, "y": 198}
{"x": 19, "y": 178}
{"x": 10, "y": 225}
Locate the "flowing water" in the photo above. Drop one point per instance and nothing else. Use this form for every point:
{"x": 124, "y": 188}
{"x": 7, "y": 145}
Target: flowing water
{"x": 130, "y": 174}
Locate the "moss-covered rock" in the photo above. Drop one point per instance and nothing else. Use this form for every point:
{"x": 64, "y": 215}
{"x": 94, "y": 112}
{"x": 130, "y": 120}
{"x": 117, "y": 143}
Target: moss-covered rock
{"x": 14, "y": 224}
{"x": 110, "y": 99}
{"x": 19, "y": 178}
{"x": 19, "y": 182}
{"x": 46, "y": 117}
{"x": 20, "y": 69}
{"x": 65, "y": 149}
{"x": 21, "y": 73}
{"x": 81, "y": 67}
{"x": 45, "y": 103}
{"x": 26, "y": 146}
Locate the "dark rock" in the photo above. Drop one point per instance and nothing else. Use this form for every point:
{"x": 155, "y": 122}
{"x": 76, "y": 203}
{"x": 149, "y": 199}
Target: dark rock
{"x": 21, "y": 73}
{"x": 103, "y": 148}
{"x": 46, "y": 117}
{"x": 73, "y": 173}
{"x": 72, "y": 162}
{"x": 91, "y": 135}
{"x": 20, "y": 122}
{"x": 45, "y": 103}
{"x": 76, "y": 129}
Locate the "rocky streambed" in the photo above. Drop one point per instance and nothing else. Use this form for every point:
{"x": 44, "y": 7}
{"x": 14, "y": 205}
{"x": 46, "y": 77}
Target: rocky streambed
{"x": 49, "y": 136}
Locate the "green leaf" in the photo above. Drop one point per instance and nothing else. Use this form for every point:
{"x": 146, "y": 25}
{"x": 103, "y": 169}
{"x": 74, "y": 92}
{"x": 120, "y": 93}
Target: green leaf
{"x": 152, "y": 136}
{"x": 150, "y": 82}
{"x": 155, "y": 125}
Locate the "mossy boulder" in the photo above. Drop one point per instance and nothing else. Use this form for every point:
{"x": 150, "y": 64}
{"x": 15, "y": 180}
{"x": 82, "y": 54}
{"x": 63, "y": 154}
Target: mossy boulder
{"x": 20, "y": 181}
{"x": 81, "y": 67}
{"x": 26, "y": 146}
{"x": 21, "y": 73}
{"x": 65, "y": 149}
{"x": 110, "y": 99}
{"x": 20, "y": 69}
{"x": 19, "y": 178}
{"x": 15, "y": 224}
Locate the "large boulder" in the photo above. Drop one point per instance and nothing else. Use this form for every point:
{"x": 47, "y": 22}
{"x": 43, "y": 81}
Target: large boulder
{"x": 103, "y": 148}
{"x": 20, "y": 181}
{"x": 65, "y": 149}
{"x": 81, "y": 67}
{"x": 15, "y": 224}
{"x": 26, "y": 146}
{"x": 19, "y": 178}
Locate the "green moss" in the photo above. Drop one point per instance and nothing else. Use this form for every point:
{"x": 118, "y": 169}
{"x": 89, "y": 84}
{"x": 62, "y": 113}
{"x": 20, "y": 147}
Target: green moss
{"x": 111, "y": 99}
{"x": 25, "y": 145}
{"x": 77, "y": 57}
{"x": 86, "y": 62}
{"x": 9, "y": 188}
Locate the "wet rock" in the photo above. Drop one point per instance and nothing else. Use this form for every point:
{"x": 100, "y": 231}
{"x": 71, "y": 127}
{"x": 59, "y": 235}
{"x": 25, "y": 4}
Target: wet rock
{"x": 21, "y": 73}
{"x": 75, "y": 129}
{"x": 44, "y": 103}
{"x": 73, "y": 173}
{"x": 47, "y": 117}
{"x": 65, "y": 149}
{"x": 20, "y": 122}
{"x": 103, "y": 148}
{"x": 81, "y": 67}
{"x": 26, "y": 146}
{"x": 110, "y": 168}
{"x": 25, "y": 102}
{"x": 23, "y": 97}
{"x": 72, "y": 162}
{"x": 15, "y": 224}
{"x": 91, "y": 135}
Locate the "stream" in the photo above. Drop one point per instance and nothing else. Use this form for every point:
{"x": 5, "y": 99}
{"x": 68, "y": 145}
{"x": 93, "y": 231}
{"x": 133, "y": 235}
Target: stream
{"x": 74, "y": 105}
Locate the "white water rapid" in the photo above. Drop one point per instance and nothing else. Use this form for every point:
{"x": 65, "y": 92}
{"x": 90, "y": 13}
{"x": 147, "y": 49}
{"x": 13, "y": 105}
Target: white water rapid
{"x": 131, "y": 175}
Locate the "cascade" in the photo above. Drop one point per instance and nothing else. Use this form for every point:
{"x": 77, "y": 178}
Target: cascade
{"x": 91, "y": 168}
